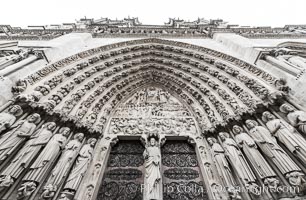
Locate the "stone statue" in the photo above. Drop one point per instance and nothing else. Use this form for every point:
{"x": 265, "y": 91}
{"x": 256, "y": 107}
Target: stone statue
{"x": 11, "y": 141}
{"x": 249, "y": 147}
{"x": 44, "y": 160}
{"x": 296, "y": 118}
{"x": 223, "y": 168}
{"x": 63, "y": 165}
{"x": 79, "y": 169}
{"x": 238, "y": 162}
{"x": 293, "y": 60}
{"x": 267, "y": 143}
{"x": 7, "y": 119}
{"x": 152, "y": 156}
{"x": 22, "y": 160}
{"x": 286, "y": 134}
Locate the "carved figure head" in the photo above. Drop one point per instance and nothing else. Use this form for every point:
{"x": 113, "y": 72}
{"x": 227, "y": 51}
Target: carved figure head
{"x": 237, "y": 129}
{"x": 34, "y": 118}
{"x": 92, "y": 141}
{"x": 79, "y": 136}
{"x": 211, "y": 141}
{"x": 50, "y": 126}
{"x": 64, "y": 131}
{"x": 286, "y": 108}
{"x": 251, "y": 123}
{"x": 267, "y": 116}
{"x": 15, "y": 110}
{"x": 153, "y": 138}
{"x": 223, "y": 135}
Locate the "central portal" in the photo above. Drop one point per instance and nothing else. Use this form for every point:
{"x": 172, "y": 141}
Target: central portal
{"x": 152, "y": 111}
{"x": 124, "y": 177}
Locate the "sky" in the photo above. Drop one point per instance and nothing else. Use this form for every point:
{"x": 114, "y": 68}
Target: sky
{"x": 275, "y": 13}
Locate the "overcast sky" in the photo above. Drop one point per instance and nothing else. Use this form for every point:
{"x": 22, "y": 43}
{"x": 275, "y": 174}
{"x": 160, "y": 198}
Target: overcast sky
{"x": 275, "y": 13}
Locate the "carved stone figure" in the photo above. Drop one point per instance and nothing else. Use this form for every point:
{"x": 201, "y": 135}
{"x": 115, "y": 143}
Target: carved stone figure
{"x": 262, "y": 168}
{"x": 10, "y": 141}
{"x": 43, "y": 161}
{"x": 7, "y": 119}
{"x": 223, "y": 168}
{"x": 297, "y": 118}
{"x": 238, "y": 162}
{"x": 63, "y": 165}
{"x": 286, "y": 134}
{"x": 79, "y": 169}
{"x": 267, "y": 143}
{"x": 22, "y": 160}
{"x": 152, "y": 156}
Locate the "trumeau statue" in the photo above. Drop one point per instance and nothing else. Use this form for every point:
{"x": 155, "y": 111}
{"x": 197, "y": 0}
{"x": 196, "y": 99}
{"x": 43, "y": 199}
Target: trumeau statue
{"x": 79, "y": 169}
{"x": 238, "y": 162}
{"x": 267, "y": 143}
{"x": 223, "y": 168}
{"x": 260, "y": 165}
{"x": 152, "y": 182}
{"x": 43, "y": 161}
{"x": 63, "y": 165}
{"x": 22, "y": 160}
{"x": 296, "y": 118}
{"x": 10, "y": 141}
{"x": 286, "y": 134}
{"x": 7, "y": 119}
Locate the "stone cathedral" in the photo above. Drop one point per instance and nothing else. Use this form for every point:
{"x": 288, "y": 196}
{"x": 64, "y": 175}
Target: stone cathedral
{"x": 104, "y": 109}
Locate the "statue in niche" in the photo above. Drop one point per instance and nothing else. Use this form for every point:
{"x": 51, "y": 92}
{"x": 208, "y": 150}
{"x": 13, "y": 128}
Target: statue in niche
{"x": 10, "y": 141}
{"x": 296, "y": 118}
{"x": 22, "y": 160}
{"x": 7, "y": 119}
{"x": 260, "y": 165}
{"x": 44, "y": 160}
{"x": 79, "y": 169}
{"x": 152, "y": 156}
{"x": 286, "y": 134}
{"x": 223, "y": 168}
{"x": 239, "y": 163}
{"x": 267, "y": 143}
{"x": 292, "y": 60}
{"x": 62, "y": 167}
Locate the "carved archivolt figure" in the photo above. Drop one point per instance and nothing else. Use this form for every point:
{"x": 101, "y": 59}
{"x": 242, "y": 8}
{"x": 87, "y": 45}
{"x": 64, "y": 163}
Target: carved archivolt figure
{"x": 267, "y": 143}
{"x": 260, "y": 165}
{"x": 80, "y": 167}
{"x": 226, "y": 175}
{"x": 10, "y": 141}
{"x": 7, "y": 119}
{"x": 44, "y": 160}
{"x": 296, "y": 118}
{"x": 152, "y": 182}
{"x": 238, "y": 162}
{"x": 63, "y": 165}
{"x": 286, "y": 134}
{"x": 26, "y": 154}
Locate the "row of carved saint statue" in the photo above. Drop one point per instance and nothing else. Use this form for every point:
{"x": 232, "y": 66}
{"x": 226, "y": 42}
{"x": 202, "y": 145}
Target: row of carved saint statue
{"x": 28, "y": 152}
{"x": 262, "y": 143}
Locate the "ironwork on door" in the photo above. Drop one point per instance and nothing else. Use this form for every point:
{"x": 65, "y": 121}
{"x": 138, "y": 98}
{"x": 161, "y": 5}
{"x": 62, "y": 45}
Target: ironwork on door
{"x": 123, "y": 178}
{"x": 182, "y": 179}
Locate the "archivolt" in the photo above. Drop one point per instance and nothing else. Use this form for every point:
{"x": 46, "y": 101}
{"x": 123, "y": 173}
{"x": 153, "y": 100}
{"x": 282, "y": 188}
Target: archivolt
{"x": 87, "y": 86}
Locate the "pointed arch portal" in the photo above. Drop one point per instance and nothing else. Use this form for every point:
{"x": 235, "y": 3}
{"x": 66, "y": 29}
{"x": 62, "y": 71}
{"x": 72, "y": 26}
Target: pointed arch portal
{"x": 126, "y": 93}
